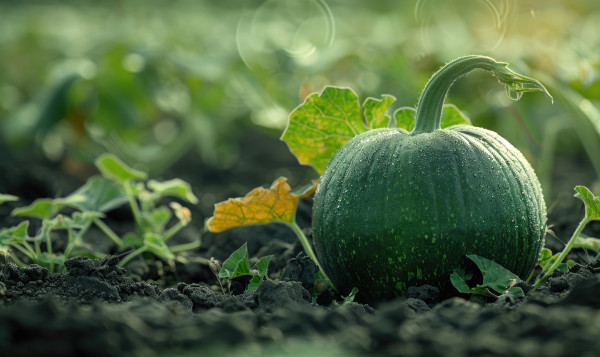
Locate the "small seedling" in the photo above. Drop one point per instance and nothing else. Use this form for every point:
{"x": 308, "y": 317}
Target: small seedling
{"x": 261, "y": 205}
{"x": 118, "y": 185}
{"x": 237, "y": 265}
{"x": 592, "y": 213}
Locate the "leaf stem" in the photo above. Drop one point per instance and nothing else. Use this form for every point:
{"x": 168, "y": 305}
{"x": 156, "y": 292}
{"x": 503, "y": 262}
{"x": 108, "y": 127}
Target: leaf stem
{"x": 29, "y": 253}
{"x": 132, "y": 255}
{"x": 109, "y": 232}
{"x": 307, "y": 246}
{"x": 135, "y": 209}
{"x": 173, "y": 230}
{"x": 429, "y": 109}
{"x": 185, "y": 246}
{"x": 564, "y": 253}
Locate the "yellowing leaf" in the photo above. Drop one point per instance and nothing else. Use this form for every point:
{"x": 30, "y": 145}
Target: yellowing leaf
{"x": 374, "y": 111}
{"x": 261, "y": 205}
{"x": 327, "y": 120}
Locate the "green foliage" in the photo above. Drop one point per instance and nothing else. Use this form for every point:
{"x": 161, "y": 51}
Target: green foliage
{"x": 548, "y": 262}
{"x": 320, "y": 126}
{"x": 118, "y": 185}
{"x": 495, "y": 277}
{"x": 237, "y": 265}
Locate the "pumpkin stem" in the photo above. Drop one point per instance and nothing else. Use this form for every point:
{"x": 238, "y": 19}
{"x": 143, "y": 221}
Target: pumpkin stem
{"x": 429, "y": 109}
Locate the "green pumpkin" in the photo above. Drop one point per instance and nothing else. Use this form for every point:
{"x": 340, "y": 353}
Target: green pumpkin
{"x": 396, "y": 209}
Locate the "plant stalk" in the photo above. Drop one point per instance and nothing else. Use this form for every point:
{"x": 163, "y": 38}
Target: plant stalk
{"x": 307, "y": 247}
{"x": 429, "y": 109}
{"x": 109, "y": 232}
{"x": 564, "y": 253}
{"x": 132, "y": 255}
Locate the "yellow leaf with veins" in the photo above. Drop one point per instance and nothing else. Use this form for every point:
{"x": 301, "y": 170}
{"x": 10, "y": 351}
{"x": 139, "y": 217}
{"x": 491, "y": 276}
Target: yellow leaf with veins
{"x": 261, "y": 205}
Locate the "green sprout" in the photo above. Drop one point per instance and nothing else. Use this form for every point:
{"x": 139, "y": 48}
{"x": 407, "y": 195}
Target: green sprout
{"x": 237, "y": 265}
{"x": 118, "y": 185}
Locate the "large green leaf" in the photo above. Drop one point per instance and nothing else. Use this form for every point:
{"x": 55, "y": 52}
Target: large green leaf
{"x": 320, "y": 126}
{"x": 326, "y": 121}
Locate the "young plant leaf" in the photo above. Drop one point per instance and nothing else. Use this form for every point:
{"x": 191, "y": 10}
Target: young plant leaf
{"x": 158, "y": 218}
{"x": 589, "y": 243}
{"x": 7, "y": 198}
{"x": 237, "y": 264}
{"x": 254, "y": 282}
{"x": 262, "y": 265}
{"x": 157, "y": 246}
{"x": 43, "y": 208}
{"x": 175, "y": 188}
{"x": 495, "y": 277}
{"x": 326, "y": 121}
{"x": 97, "y": 194}
{"x": 261, "y": 205}
{"x": 592, "y": 203}
{"x": 15, "y": 233}
{"x": 113, "y": 168}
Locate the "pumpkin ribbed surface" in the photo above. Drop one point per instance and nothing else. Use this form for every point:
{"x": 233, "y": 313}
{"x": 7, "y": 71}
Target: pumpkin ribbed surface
{"x": 394, "y": 210}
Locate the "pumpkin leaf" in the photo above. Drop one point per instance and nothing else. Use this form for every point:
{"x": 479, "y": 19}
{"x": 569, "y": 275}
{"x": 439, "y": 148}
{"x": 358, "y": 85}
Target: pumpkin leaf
{"x": 374, "y": 111}
{"x": 254, "y": 282}
{"x": 175, "y": 187}
{"x": 589, "y": 243}
{"x": 261, "y": 205}
{"x": 320, "y": 126}
{"x": 237, "y": 264}
{"x": 405, "y": 118}
{"x": 592, "y": 203}
{"x": 113, "y": 168}
{"x": 546, "y": 259}
{"x": 262, "y": 265}
{"x": 7, "y": 198}
{"x": 451, "y": 115}
{"x": 495, "y": 277}
{"x": 97, "y": 194}
{"x": 42, "y": 208}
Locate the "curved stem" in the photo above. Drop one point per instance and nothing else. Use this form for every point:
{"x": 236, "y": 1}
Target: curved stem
{"x": 132, "y": 255}
{"x": 564, "y": 253}
{"x": 307, "y": 247}
{"x": 429, "y": 109}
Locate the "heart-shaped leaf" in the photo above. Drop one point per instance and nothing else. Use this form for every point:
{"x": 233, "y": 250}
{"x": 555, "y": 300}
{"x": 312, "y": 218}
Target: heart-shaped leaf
{"x": 326, "y": 121}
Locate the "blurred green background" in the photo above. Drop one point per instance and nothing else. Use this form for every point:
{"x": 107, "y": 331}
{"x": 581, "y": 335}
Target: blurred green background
{"x": 152, "y": 80}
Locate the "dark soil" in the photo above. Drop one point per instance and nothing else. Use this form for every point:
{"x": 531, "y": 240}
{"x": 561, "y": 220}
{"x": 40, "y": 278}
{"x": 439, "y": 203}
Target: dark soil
{"x": 180, "y": 309}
